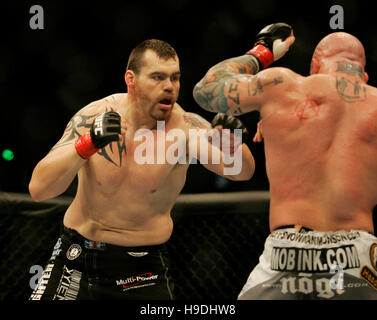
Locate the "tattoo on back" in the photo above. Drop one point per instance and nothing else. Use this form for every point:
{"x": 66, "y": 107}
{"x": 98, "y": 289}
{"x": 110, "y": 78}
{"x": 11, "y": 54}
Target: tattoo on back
{"x": 307, "y": 109}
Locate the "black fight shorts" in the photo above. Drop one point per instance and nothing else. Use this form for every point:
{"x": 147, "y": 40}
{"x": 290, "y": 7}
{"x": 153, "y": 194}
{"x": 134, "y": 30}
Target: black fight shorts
{"x": 80, "y": 269}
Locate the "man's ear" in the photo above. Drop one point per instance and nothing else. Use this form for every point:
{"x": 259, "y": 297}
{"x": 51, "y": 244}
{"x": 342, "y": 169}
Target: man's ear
{"x": 129, "y": 78}
{"x": 366, "y": 77}
{"x": 314, "y": 66}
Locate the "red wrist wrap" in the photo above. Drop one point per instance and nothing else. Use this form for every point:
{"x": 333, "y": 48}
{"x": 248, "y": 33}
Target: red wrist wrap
{"x": 84, "y": 146}
{"x": 264, "y": 55}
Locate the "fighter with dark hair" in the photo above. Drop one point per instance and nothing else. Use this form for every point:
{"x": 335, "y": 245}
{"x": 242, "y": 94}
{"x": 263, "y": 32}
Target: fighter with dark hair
{"x": 112, "y": 245}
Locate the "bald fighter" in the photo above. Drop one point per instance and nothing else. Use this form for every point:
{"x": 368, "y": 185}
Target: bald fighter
{"x": 320, "y": 137}
{"x": 112, "y": 245}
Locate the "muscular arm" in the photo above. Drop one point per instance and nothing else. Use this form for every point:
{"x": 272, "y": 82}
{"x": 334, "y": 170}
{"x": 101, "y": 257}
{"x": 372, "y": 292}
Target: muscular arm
{"x": 55, "y": 172}
{"x": 211, "y": 157}
{"x": 232, "y": 87}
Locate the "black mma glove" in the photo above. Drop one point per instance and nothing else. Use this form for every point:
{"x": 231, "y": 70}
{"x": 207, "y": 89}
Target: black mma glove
{"x": 105, "y": 129}
{"x": 230, "y": 122}
{"x": 269, "y": 45}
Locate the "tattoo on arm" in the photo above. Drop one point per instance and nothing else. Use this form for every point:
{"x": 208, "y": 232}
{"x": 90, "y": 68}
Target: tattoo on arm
{"x": 235, "y": 97}
{"x": 195, "y": 121}
{"x": 220, "y": 88}
{"x": 71, "y": 131}
{"x": 213, "y": 96}
{"x": 210, "y": 94}
{"x": 242, "y": 64}
{"x": 238, "y": 111}
{"x": 259, "y": 86}
{"x": 78, "y": 121}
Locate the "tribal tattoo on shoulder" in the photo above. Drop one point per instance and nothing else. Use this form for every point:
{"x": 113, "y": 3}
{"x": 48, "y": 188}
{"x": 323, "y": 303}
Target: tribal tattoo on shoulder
{"x": 79, "y": 120}
{"x": 211, "y": 92}
{"x": 120, "y": 146}
{"x": 71, "y": 131}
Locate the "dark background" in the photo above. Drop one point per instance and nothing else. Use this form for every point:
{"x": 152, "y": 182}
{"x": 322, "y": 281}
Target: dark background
{"x": 47, "y": 75}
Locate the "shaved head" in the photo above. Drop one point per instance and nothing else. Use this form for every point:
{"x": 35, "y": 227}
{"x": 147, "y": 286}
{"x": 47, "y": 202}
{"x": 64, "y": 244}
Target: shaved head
{"x": 339, "y": 45}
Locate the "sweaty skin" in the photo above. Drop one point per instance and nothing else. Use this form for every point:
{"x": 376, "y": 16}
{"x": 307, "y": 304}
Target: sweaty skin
{"x": 127, "y": 204}
{"x": 118, "y": 200}
{"x": 320, "y": 133}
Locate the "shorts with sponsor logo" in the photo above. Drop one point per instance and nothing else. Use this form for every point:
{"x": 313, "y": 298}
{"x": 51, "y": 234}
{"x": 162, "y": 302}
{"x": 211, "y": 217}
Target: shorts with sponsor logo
{"x": 80, "y": 269}
{"x": 309, "y": 264}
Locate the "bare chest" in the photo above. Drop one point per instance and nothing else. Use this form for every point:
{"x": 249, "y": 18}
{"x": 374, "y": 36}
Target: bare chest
{"x": 148, "y": 162}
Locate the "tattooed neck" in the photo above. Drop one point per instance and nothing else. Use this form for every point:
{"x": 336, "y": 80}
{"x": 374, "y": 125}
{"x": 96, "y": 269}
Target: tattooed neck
{"x": 349, "y": 68}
